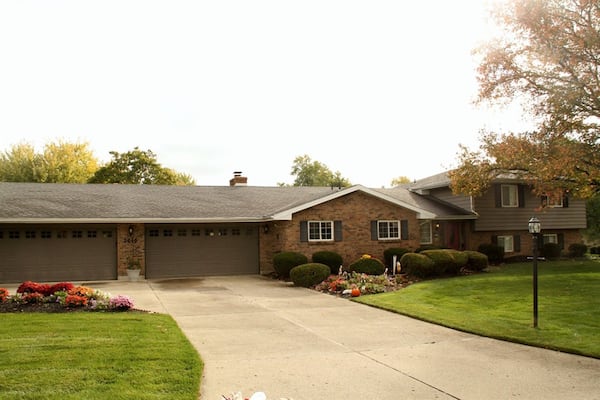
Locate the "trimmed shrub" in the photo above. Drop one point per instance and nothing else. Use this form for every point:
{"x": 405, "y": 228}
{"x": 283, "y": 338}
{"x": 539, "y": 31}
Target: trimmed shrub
{"x": 416, "y": 264}
{"x": 330, "y": 258}
{"x": 577, "y": 250}
{"x": 494, "y": 252}
{"x": 427, "y": 247}
{"x": 286, "y": 260}
{"x": 477, "y": 261}
{"x": 551, "y": 251}
{"x": 367, "y": 265}
{"x": 388, "y": 255}
{"x": 446, "y": 261}
{"x": 307, "y": 275}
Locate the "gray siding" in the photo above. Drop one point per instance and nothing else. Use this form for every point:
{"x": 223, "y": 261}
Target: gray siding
{"x": 492, "y": 218}
{"x": 445, "y": 194}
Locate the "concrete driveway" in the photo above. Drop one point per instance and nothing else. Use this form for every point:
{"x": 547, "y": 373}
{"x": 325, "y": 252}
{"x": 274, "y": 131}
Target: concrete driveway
{"x": 258, "y": 334}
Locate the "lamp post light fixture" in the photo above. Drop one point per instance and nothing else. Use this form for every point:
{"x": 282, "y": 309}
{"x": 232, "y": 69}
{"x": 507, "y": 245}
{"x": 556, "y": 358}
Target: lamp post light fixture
{"x": 535, "y": 228}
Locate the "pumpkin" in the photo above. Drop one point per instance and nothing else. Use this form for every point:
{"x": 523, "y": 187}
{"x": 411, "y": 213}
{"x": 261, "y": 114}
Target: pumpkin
{"x": 355, "y": 292}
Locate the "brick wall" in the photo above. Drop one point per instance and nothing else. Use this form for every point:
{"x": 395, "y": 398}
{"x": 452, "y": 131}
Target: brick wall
{"x": 130, "y": 246}
{"x": 356, "y": 211}
{"x": 477, "y": 238}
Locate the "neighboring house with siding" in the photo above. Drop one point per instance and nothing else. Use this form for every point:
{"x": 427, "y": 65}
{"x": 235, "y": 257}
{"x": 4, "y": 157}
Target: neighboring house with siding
{"x": 53, "y": 232}
{"x": 503, "y": 213}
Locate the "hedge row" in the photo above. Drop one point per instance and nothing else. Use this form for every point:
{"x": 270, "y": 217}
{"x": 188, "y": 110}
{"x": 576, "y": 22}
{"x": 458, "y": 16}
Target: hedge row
{"x": 284, "y": 262}
{"x": 429, "y": 263}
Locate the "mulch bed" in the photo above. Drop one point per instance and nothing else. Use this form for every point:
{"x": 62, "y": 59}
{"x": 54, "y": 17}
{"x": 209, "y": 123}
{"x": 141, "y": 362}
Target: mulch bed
{"x": 11, "y": 307}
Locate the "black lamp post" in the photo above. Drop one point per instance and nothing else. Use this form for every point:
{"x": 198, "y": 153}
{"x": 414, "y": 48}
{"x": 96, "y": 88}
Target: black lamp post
{"x": 534, "y": 228}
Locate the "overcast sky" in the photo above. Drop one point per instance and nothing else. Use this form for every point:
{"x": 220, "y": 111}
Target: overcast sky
{"x": 373, "y": 89}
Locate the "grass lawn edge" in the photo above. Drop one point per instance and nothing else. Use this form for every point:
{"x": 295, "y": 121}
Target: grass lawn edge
{"x": 475, "y": 332}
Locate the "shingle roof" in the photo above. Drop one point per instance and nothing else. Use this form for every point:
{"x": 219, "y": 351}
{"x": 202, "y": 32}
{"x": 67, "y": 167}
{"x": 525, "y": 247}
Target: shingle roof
{"x": 439, "y": 208}
{"x": 35, "y": 201}
{"x": 47, "y": 202}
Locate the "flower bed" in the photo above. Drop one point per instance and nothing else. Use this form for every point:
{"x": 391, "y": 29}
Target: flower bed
{"x": 60, "y": 297}
{"x": 344, "y": 283}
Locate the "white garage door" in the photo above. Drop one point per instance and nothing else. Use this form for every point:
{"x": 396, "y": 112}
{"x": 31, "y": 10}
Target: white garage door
{"x": 201, "y": 250}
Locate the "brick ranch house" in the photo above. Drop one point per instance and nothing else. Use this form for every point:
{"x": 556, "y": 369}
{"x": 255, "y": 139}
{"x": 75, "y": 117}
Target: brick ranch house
{"x": 54, "y": 232}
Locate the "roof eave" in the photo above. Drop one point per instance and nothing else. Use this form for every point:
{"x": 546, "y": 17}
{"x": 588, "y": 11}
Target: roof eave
{"x": 125, "y": 220}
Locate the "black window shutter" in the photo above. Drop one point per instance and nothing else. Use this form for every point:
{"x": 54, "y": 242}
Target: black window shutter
{"x": 495, "y": 239}
{"x": 544, "y": 200}
{"x": 566, "y": 201}
{"x": 304, "y": 231}
{"x": 561, "y": 241}
{"x": 374, "y": 233}
{"x": 521, "y": 192}
{"x": 498, "y": 195}
{"x": 337, "y": 231}
{"x": 404, "y": 229}
{"x": 517, "y": 243}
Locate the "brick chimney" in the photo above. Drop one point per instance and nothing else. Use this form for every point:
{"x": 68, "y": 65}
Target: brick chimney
{"x": 238, "y": 179}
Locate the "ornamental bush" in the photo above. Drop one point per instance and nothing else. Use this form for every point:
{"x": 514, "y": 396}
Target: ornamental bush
{"x": 329, "y": 258}
{"x": 477, "y": 261}
{"x": 286, "y": 260}
{"x": 577, "y": 250}
{"x": 61, "y": 287}
{"x": 307, "y": 275}
{"x": 120, "y": 303}
{"x": 74, "y": 300}
{"x": 446, "y": 261}
{"x": 417, "y": 265}
{"x": 367, "y": 265}
{"x": 3, "y": 294}
{"x": 34, "y": 287}
{"x": 494, "y": 252}
{"x": 388, "y": 255}
{"x": 551, "y": 251}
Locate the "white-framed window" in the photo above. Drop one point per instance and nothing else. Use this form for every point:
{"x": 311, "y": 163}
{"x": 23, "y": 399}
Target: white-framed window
{"x": 425, "y": 232}
{"x": 388, "y": 230}
{"x": 507, "y": 242}
{"x": 510, "y": 195}
{"x": 320, "y": 231}
{"x": 550, "y": 238}
{"x": 552, "y": 200}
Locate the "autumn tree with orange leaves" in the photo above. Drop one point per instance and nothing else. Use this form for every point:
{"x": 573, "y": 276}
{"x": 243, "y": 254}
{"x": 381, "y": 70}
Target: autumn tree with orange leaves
{"x": 549, "y": 55}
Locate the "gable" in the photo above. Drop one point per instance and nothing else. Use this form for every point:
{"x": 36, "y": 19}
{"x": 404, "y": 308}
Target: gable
{"x": 288, "y": 214}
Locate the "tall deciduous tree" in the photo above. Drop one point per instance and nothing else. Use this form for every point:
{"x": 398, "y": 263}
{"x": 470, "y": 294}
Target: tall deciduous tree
{"x": 59, "y": 162}
{"x": 549, "y": 56}
{"x": 138, "y": 167}
{"x": 400, "y": 180}
{"x": 314, "y": 173}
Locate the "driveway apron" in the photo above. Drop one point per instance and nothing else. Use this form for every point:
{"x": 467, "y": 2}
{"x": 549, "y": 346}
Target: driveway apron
{"x": 259, "y": 334}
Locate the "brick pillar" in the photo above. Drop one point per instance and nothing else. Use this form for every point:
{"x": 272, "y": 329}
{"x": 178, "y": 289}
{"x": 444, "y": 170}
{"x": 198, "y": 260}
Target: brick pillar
{"x": 130, "y": 245}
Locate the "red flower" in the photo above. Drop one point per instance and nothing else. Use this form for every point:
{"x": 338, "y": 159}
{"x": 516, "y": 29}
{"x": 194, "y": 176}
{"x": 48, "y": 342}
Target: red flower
{"x": 34, "y": 287}
{"x": 31, "y": 298}
{"x": 75, "y": 301}
{"x": 3, "y": 294}
{"x": 61, "y": 287}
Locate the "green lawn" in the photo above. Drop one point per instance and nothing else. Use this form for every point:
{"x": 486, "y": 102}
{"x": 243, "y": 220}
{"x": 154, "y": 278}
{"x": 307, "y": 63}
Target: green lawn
{"x": 88, "y": 355}
{"x": 499, "y": 304}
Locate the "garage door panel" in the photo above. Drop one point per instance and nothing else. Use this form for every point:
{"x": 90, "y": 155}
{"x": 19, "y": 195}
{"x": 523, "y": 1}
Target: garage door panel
{"x": 47, "y": 254}
{"x": 201, "y": 250}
